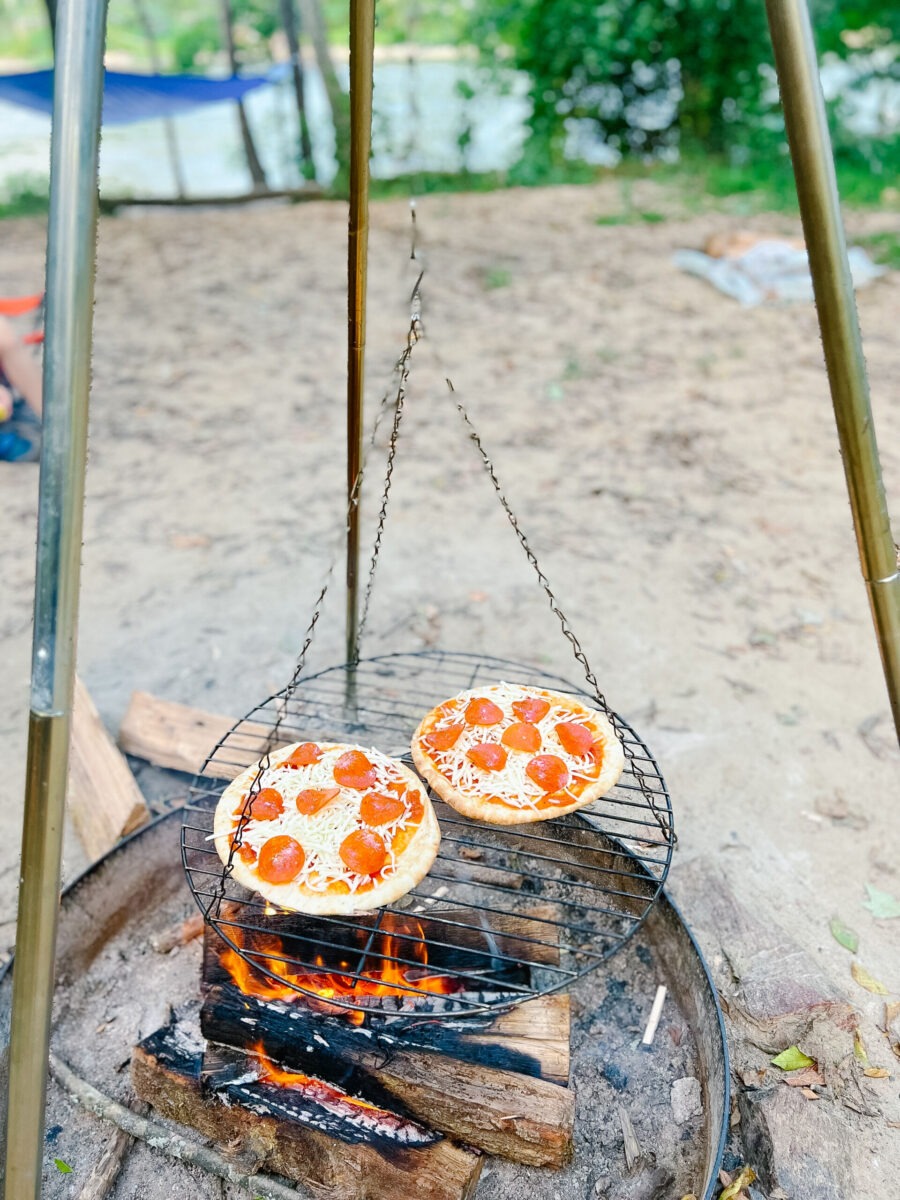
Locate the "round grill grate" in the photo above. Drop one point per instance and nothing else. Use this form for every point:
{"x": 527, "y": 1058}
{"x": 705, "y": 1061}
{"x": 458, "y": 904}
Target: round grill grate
{"x": 504, "y": 915}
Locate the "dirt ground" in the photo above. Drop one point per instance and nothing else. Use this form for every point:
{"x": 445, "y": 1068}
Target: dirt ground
{"x": 672, "y": 456}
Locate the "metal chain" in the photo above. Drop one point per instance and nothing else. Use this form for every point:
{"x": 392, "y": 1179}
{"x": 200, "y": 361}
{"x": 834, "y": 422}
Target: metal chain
{"x": 413, "y": 336}
{"x": 569, "y": 634}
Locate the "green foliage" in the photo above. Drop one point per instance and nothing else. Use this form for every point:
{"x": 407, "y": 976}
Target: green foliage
{"x": 24, "y": 196}
{"x": 883, "y": 247}
{"x": 193, "y": 44}
{"x": 650, "y": 77}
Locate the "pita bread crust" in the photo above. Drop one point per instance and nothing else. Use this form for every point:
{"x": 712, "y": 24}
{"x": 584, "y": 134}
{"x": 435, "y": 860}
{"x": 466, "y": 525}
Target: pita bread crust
{"x": 482, "y": 809}
{"x": 413, "y": 864}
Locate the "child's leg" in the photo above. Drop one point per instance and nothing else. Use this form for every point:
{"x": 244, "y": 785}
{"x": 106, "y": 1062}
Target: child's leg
{"x": 19, "y": 366}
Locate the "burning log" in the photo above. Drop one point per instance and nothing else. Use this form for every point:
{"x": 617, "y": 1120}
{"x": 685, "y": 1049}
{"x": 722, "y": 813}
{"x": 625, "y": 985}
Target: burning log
{"x": 494, "y": 1082}
{"x": 302, "y": 1128}
{"x": 497, "y": 1082}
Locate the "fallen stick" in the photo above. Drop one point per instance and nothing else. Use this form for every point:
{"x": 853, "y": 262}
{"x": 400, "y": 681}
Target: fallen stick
{"x": 162, "y": 1139}
{"x": 655, "y": 1014}
{"x": 107, "y": 1167}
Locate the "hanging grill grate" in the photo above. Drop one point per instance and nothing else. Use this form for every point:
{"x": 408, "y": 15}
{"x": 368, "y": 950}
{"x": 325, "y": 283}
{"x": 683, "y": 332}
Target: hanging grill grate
{"x": 504, "y": 915}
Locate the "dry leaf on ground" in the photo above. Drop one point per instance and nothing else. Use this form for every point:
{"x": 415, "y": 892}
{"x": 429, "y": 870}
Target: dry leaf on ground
{"x": 744, "y": 1178}
{"x": 859, "y": 1049}
{"x": 804, "y": 1079}
{"x": 877, "y": 1073}
{"x": 867, "y": 981}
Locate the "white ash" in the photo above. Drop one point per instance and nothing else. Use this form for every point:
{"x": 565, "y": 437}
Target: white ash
{"x": 687, "y": 1100}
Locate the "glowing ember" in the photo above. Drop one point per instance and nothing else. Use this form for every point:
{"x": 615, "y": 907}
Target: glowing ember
{"x": 375, "y": 1120}
{"x": 268, "y": 1071}
{"x": 336, "y": 982}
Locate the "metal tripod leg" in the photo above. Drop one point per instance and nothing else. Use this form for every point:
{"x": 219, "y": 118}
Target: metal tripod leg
{"x": 362, "y": 49}
{"x": 71, "y": 249}
{"x": 807, "y": 130}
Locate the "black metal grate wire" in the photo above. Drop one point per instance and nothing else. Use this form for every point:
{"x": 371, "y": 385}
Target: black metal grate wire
{"x": 506, "y": 913}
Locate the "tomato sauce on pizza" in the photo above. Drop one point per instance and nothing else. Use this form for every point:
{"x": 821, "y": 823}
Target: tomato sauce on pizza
{"x": 327, "y": 828}
{"x": 509, "y": 753}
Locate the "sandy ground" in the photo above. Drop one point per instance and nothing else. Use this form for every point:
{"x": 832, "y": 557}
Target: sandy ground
{"x": 672, "y": 456}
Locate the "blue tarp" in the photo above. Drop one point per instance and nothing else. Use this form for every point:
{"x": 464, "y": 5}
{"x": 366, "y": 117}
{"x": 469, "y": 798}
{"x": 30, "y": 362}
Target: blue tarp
{"x": 128, "y": 98}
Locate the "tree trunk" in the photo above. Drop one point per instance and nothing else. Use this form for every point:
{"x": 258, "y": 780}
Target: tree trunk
{"x": 255, "y": 167}
{"x": 291, "y": 32}
{"x": 314, "y": 23}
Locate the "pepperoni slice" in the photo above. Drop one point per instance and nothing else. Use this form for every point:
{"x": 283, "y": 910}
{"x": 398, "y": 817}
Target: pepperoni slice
{"x": 378, "y": 809}
{"x": 266, "y": 805}
{"x": 531, "y": 709}
{"x": 353, "y": 770}
{"x": 483, "y": 712}
{"x": 549, "y": 772}
{"x": 310, "y": 800}
{"x": 574, "y": 738}
{"x": 488, "y": 755}
{"x": 522, "y": 737}
{"x": 363, "y": 852}
{"x": 246, "y": 853}
{"x": 281, "y": 859}
{"x": 304, "y": 756}
{"x": 443, "y": 739}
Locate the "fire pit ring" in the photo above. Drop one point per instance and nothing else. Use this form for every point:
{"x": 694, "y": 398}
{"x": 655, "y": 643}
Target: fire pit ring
{"x": 505, "y": 915}
{"x": 108, "y": 974}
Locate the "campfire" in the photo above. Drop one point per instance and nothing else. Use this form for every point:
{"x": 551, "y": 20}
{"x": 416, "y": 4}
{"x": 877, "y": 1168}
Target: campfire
{"x": 386, "y": 1053}
{"x": 340, "y": 1050}
{"x": 381, "y": 972}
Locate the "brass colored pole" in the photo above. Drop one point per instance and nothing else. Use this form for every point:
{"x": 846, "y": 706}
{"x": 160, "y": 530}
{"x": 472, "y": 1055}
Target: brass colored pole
{"x": 71, "y": 247}
{"x": 807, "y": 130}
{"x": 362, "y": 49}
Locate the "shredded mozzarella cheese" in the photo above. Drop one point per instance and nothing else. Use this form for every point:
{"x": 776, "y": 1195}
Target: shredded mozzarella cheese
{"x": 322, "y": 833}
{"x": 511, "y": 785}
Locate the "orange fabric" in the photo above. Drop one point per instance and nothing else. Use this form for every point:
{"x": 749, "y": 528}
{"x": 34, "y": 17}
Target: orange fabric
{"x": 15, "y": 306}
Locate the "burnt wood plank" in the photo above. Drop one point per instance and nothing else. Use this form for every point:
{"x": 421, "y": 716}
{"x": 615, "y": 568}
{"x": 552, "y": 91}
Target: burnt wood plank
{"x": 532, "y": 1039}
{"x": 361, "y": 1157}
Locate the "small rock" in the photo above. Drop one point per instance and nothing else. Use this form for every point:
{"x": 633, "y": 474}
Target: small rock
{"x": 686, "y": 1099}
{"x": 601, "y": 1185}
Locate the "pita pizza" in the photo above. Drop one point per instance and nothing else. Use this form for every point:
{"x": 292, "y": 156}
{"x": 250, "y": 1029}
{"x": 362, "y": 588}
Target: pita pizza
{"x": 332, "y": 828}
{"x": 510, "y": 754}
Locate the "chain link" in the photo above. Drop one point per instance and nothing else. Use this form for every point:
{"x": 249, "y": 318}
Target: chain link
{"x": 413, "y": 336}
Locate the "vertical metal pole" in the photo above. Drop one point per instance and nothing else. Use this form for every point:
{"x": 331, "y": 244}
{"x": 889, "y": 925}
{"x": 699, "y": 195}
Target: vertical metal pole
{"x": 807, "y": 130}
{"x": 362, "y": 49}
{"x": 71, "y": 247}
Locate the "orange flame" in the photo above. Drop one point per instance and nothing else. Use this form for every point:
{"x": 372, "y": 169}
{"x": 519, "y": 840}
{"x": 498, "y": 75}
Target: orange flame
{"x": 387, "y": 978}
{"x": 268, "y": 1071}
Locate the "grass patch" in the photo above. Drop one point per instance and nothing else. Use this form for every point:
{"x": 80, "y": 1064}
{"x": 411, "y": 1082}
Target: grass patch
{"x": 882, "y": 247}
{"x": 497, "y": 277}
{"x": 632, "y": 218}
{"x": 25, "y": 196}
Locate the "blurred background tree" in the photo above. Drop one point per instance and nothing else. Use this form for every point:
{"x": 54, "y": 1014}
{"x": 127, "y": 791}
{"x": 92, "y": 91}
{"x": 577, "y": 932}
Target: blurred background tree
{"x": 659, "y": 77}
